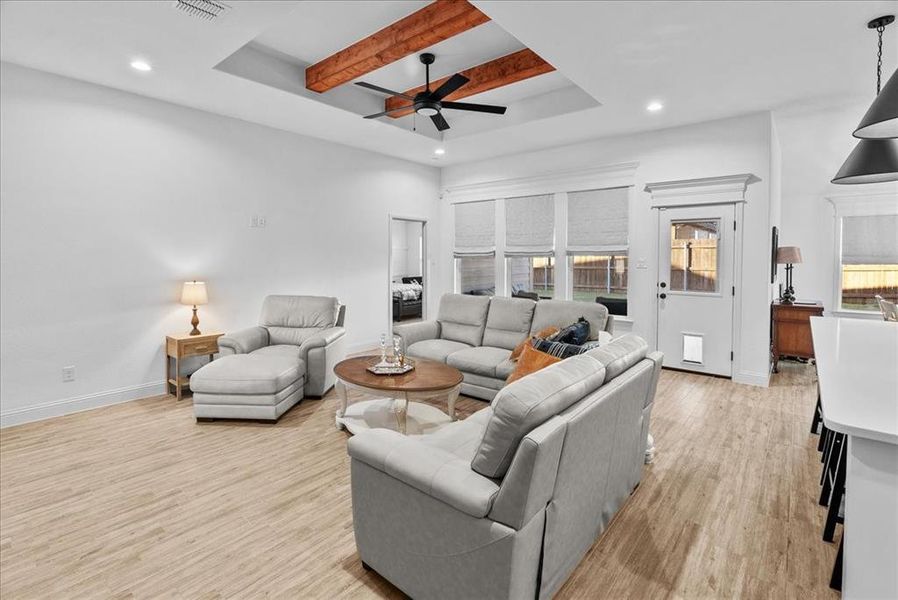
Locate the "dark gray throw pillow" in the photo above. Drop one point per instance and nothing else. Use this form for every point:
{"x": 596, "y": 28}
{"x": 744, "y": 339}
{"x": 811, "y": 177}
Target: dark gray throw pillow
{"x": 576, "y": 333}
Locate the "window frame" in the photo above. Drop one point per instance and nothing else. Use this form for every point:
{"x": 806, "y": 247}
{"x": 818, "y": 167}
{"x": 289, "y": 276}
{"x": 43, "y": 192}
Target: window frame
{"x": 862, "y": 205}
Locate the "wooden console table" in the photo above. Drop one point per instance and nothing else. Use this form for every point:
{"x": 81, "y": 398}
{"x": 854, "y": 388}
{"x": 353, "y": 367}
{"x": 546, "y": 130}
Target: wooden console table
{"x": 791, "y": 330}
{"x": 178, "y": 347}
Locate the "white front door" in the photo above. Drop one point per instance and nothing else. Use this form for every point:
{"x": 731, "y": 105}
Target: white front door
{"x": 695, "y": 287}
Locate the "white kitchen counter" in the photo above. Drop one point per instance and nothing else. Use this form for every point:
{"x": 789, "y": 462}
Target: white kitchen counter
{"x": 857, "y": 365}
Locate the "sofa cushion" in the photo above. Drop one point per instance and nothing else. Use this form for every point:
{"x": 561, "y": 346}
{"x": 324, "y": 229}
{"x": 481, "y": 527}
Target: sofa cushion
{"x": 292, "y": 319}
{"x": 531, "y": 361}
{"x": 435, "y": 349}
{"x": 505, "y": 368}
{"x": 620, "y": 354}
{"x": 461, "y": 438}
{"x": 542, "y": 333}
{"x": 482, "y": 360}
{"x": 250, "y": 399}
{"x": 562, "y": 313}
{"x": 288, "y": 350}
{"x": 508, "y": 322}
{"x": 527, "y": 403}
{"x": 247, "y": 374}
{"x": 462, "y": 318}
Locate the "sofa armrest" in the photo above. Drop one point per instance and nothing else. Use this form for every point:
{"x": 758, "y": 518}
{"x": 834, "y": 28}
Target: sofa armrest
{"x": 244, "y": 341}
{"x": 439, "y": 474}
{"x": 415, "y": 332}
{"x": 323, "y": 338}
{"x": 322, "y": 352}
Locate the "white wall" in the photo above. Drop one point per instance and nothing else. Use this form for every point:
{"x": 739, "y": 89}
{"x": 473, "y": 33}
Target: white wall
{"x": 110, "y": 200}
{"x": 725, "y": 147}
{"x": 815, "y": 141}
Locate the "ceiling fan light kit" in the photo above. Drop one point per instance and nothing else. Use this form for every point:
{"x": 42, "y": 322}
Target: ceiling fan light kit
{"x": 431, "y": 103}
{"x": 875, "y": 158}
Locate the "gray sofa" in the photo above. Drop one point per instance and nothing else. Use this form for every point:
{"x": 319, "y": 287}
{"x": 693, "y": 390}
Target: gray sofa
{"x": 476, "y": 334}
{"x": 262, "y": 371}
{"x": 506, "y": 503}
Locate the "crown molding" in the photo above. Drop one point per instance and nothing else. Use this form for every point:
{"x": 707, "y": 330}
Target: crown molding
{"x": 706, "y": 190}
{"x": 607, "y": 176}
{"x": 861, "y": 205}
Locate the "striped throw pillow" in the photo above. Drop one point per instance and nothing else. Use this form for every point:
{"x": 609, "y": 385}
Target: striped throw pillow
{"x": 557, "y": 349}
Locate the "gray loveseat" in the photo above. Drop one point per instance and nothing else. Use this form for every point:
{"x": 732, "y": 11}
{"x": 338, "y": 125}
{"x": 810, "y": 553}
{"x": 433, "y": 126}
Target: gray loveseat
{"x": 262, "y": 371}
{"x": 476, "y": 334}
{"x": 506, "y": 503}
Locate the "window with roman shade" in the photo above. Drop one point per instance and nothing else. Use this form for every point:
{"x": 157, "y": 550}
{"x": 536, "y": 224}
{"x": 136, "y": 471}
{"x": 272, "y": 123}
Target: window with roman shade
{"x": 597, "y": 221}
{"x": 597, "y": 244}
{"x": 475, "y": 229}
{"x": 530, "y": 226}
{"x": 869, "y": 261}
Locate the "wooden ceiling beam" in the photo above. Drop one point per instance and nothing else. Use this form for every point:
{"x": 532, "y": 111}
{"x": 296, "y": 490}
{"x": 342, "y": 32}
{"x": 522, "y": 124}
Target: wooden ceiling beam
{"x": 511, "y": 68}
{"x": 430, "y": 25}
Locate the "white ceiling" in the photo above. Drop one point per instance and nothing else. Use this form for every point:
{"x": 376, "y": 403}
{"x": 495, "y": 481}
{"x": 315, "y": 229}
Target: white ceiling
{"x": 704, "y": 60}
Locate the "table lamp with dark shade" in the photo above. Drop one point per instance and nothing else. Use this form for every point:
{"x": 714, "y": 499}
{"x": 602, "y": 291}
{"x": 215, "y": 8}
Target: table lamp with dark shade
{"x": 193, "y": 293}
{"x": 788, "y": 255}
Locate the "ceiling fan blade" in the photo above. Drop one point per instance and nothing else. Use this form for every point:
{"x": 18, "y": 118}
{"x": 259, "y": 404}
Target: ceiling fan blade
{"x": 486, "y": 108}
{"x": 451, "y": 84}
{"x": 386, "y": 112}
{"x": 440, "y": 122}
{"x": 382, "y": 90}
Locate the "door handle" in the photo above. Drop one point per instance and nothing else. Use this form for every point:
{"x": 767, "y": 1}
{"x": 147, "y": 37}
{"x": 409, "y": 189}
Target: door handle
{"x": 662, "y": 296}
{"x": 663, "y": 284}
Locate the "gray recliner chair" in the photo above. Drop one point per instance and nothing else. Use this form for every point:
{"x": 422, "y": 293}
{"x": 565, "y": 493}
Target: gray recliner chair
{"x": 264, "y": 370}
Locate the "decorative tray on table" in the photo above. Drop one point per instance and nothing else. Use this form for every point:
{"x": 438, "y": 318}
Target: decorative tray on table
{"x": 388, "y": 368}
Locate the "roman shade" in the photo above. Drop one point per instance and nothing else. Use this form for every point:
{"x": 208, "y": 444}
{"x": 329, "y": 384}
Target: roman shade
{"x": 597, "y": 221}
{"x": 530, "y": 226}
{"x": 870, "y": 240}
{"x": 475, "y": 229}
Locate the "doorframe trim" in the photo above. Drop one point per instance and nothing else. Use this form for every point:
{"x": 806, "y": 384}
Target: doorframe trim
{"x": 728, "y": 189}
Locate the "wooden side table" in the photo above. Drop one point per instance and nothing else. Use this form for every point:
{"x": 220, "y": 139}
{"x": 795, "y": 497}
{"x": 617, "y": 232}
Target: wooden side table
{"x": 791, "y": 334}
{"x": 181, "y": 346}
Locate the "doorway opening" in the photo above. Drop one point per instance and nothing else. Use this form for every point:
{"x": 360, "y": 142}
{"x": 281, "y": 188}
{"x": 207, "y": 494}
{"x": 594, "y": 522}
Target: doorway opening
{"x": 407, "y": 272}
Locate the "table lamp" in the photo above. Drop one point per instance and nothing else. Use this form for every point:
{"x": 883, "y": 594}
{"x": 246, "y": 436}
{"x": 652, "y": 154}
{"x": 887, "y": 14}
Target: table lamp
{"x": 194, "y": 293}
{"x": 788, "y": 255}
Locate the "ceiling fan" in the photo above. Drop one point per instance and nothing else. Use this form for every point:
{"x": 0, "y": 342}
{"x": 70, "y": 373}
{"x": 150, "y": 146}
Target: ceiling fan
{"x": 430, "y": 103}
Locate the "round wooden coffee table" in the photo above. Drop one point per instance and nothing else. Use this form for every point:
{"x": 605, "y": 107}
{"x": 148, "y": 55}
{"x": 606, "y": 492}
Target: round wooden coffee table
{"x": 429, "y": 379}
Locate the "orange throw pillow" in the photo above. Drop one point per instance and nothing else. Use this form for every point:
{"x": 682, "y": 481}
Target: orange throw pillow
{"x": 532, "y": 360}
{"x": 542, "y": 333}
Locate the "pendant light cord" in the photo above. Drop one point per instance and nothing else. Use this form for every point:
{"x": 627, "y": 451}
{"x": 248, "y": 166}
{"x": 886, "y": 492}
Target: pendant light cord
{"x": 879, "y": 30}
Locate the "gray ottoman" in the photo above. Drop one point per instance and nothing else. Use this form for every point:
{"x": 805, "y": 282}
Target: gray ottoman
{"x": 247, "y": 386}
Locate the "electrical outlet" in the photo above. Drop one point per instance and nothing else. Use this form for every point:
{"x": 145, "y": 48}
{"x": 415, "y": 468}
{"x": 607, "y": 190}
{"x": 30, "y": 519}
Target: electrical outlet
{"x": 254, "y": 221}
{"x": 261, "y": 221}
{"x": 68, "y": 373}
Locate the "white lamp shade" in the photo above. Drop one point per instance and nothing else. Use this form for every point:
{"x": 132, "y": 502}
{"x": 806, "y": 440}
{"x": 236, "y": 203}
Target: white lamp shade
{"x": 788, "y": 255}
{"x": 194, "y": 293}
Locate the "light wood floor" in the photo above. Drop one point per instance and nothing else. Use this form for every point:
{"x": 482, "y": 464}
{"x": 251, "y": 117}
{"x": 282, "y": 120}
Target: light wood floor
{"x": 137, "y": 500}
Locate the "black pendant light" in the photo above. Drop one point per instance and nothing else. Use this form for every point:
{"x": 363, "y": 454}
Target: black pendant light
{"x": 875, "y": 158}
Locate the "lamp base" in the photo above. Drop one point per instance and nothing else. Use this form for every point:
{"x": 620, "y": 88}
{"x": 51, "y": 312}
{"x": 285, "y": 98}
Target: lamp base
{"x": 195, "y": 321}
{"x": 788, "y": 296}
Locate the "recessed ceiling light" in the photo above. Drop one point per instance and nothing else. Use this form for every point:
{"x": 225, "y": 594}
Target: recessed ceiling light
{"x": 654, "y": 106}
{"x": 439, "y": 151}
{"x": 141, "y": 65}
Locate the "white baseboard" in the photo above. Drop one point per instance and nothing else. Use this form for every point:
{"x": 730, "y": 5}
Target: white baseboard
{"x": 67, "y": 406}
{"x": 757, "y": 379}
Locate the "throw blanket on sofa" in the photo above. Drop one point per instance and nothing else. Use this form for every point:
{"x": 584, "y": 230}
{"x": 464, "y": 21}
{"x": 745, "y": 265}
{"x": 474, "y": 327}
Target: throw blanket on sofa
{"x": 407, "y": 291}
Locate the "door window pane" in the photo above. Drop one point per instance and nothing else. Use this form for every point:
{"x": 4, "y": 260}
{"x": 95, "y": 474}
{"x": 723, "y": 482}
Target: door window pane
{"x": 601, "y": 278}
{"x": 476, "y": 275}
{"x": 693, "y": 256}
{"x": 532, "y": 275}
